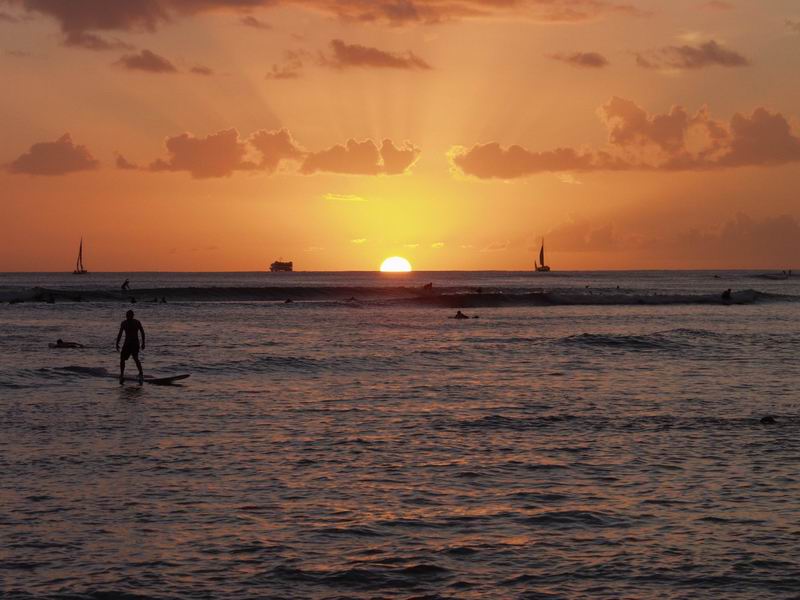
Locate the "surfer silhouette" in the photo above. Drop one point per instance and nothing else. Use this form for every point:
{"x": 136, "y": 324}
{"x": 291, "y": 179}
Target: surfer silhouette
{"x": 126, "y": 285}
{"x": 130, "y": 348}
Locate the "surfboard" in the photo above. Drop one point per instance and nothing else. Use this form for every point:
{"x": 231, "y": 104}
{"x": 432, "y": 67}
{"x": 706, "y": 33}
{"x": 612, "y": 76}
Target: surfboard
{"x": 156, "y": 380}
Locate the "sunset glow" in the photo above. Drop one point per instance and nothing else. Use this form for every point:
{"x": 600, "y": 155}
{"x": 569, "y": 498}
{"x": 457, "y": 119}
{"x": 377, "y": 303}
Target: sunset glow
{"x": 395, "y": 264}
{"x": 629, "y": 135}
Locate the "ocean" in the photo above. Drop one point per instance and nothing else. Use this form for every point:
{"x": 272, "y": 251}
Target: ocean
{"x": 589, "y": 435}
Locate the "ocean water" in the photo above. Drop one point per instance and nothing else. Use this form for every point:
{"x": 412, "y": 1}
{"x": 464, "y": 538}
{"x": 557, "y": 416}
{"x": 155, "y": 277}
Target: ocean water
{"x": 578, "y": 440}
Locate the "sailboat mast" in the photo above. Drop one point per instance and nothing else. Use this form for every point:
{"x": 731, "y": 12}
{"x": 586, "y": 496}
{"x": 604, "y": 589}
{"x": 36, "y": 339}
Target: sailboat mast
{"x": 79, "y": 263}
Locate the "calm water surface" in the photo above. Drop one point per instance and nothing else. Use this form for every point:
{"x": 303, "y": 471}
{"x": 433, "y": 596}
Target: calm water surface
{"x": 335, "y": 449}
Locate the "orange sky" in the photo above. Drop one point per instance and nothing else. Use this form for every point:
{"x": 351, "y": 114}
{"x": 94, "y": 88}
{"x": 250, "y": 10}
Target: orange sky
{"x": 224, "y": 134}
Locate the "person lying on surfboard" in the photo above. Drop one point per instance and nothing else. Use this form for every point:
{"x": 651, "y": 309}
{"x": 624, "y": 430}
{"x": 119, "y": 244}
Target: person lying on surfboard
{"x": 62, "y": 344}
{"x": 130, "y": 348}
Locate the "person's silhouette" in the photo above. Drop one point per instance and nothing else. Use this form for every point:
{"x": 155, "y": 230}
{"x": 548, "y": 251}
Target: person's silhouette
{"x": 126, "y": 285}
{"x": 130, "y": 348}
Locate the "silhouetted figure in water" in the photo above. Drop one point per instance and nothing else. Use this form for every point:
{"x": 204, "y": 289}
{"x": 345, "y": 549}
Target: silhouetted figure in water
{"x": 133, "y": 300}
{"x": 163, "y": 299}
{"x": 126, "y": 285}
{"x": 288, "y": 301}
{"x": 130, "y": 348}
{"x": 726, "y": 295}
{"x": 460, "y": 315}
{"x": 62, "y": 344}
{"x": 768, "y": 420}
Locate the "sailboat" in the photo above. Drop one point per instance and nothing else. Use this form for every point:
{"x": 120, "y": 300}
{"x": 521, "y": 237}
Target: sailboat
{"x": 79, "y": 268}
{"x": 540, "y": 266}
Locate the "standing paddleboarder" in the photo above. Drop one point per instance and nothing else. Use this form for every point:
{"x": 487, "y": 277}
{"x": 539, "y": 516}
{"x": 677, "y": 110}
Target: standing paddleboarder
{"x": 130, "y": 348}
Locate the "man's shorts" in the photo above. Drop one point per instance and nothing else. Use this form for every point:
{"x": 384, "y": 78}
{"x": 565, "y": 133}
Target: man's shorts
{"x": 129, "y": 350}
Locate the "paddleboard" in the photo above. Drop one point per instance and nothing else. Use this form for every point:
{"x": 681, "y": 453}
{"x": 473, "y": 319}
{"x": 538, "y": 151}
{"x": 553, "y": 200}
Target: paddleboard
{"x": 156, "y": 380}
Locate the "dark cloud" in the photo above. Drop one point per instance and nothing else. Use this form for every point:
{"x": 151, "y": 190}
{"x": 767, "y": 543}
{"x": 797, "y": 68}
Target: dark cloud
{"x": 793, "y": 26}
{"x": 709, "y": 54}
{"x": 355, "y": 55}
{"x": 124, "y": 164}
{"x": 362, "y": 158}
{"x": 672, "y": 141}
{"x": 216, "y": 155}
{"x": 251, "y": 21}
{"x": 147, "y": 61}
{"x": 54, "y": 158}
{"x": 274, "y": 147}
{"x": 588, "y": 60}
{"x": 92, "y": 41}
{"x": 292, "y": 67}
{"x": 202, "y": 70}
{"x": 492, "y": 161}
{"x": 762, "y": 138}
{"x": 148, "y": 15}
{"x": 102, "y": 15}
{"x": 223, "y": 153}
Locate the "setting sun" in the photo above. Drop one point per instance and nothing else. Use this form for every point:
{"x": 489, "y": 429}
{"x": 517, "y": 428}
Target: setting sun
{"x": 395, "y": 264}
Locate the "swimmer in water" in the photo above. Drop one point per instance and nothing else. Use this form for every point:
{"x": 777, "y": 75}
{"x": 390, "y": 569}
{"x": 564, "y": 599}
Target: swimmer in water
{"x": 460, "y": 315}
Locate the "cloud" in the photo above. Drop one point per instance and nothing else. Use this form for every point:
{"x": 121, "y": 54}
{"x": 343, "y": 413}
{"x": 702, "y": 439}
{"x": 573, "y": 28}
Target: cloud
{"x": 147, "y": 61}
{"x": 149, "y": 15}
{"x": 216, "y": 155}
{"x": 355, "y": 55}
{"x": 793, "y": 26}
{"x": 719, "y": 5}
{"x": 490, "y": 161}
{"x": 292, "y": 68}
{"x": 18, "y": 54}
{"x": 76, "y": 16}
{"x": 92, "y": 41}
{"x": 438, "y": 245}
{"x": 202, "y": 70}
{"x": 125, "y": 164}
{"x": 8, "y": 18}
{"x": 344, "y": 198}
{"x": 223, "y": 153}
{"x": 740, "y": 240}
{"x": 589, "y": 60}
{"x": 496, "y": 247}
{"x": 358, "y": 241}
{"x": 54, "y": 158}
{"x": 362, "y": 158}
{"x": 585, "y": 236}
{"x": 708, "y": 54}
{"x": 274, "y": 147}
{"x": 673, "y": 141}
{"x": 251, "y": 21}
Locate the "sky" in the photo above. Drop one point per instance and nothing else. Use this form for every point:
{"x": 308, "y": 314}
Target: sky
{"x": 221, "y": 135}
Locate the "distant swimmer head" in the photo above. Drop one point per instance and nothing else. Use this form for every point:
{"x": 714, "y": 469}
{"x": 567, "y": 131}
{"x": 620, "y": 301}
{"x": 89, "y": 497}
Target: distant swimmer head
{"x": 59, "y": 341}
{"x": 129, "y": 314}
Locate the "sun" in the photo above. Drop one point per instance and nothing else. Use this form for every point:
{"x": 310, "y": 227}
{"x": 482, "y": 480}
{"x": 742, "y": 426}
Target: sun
{"x": 395, "y": 264}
